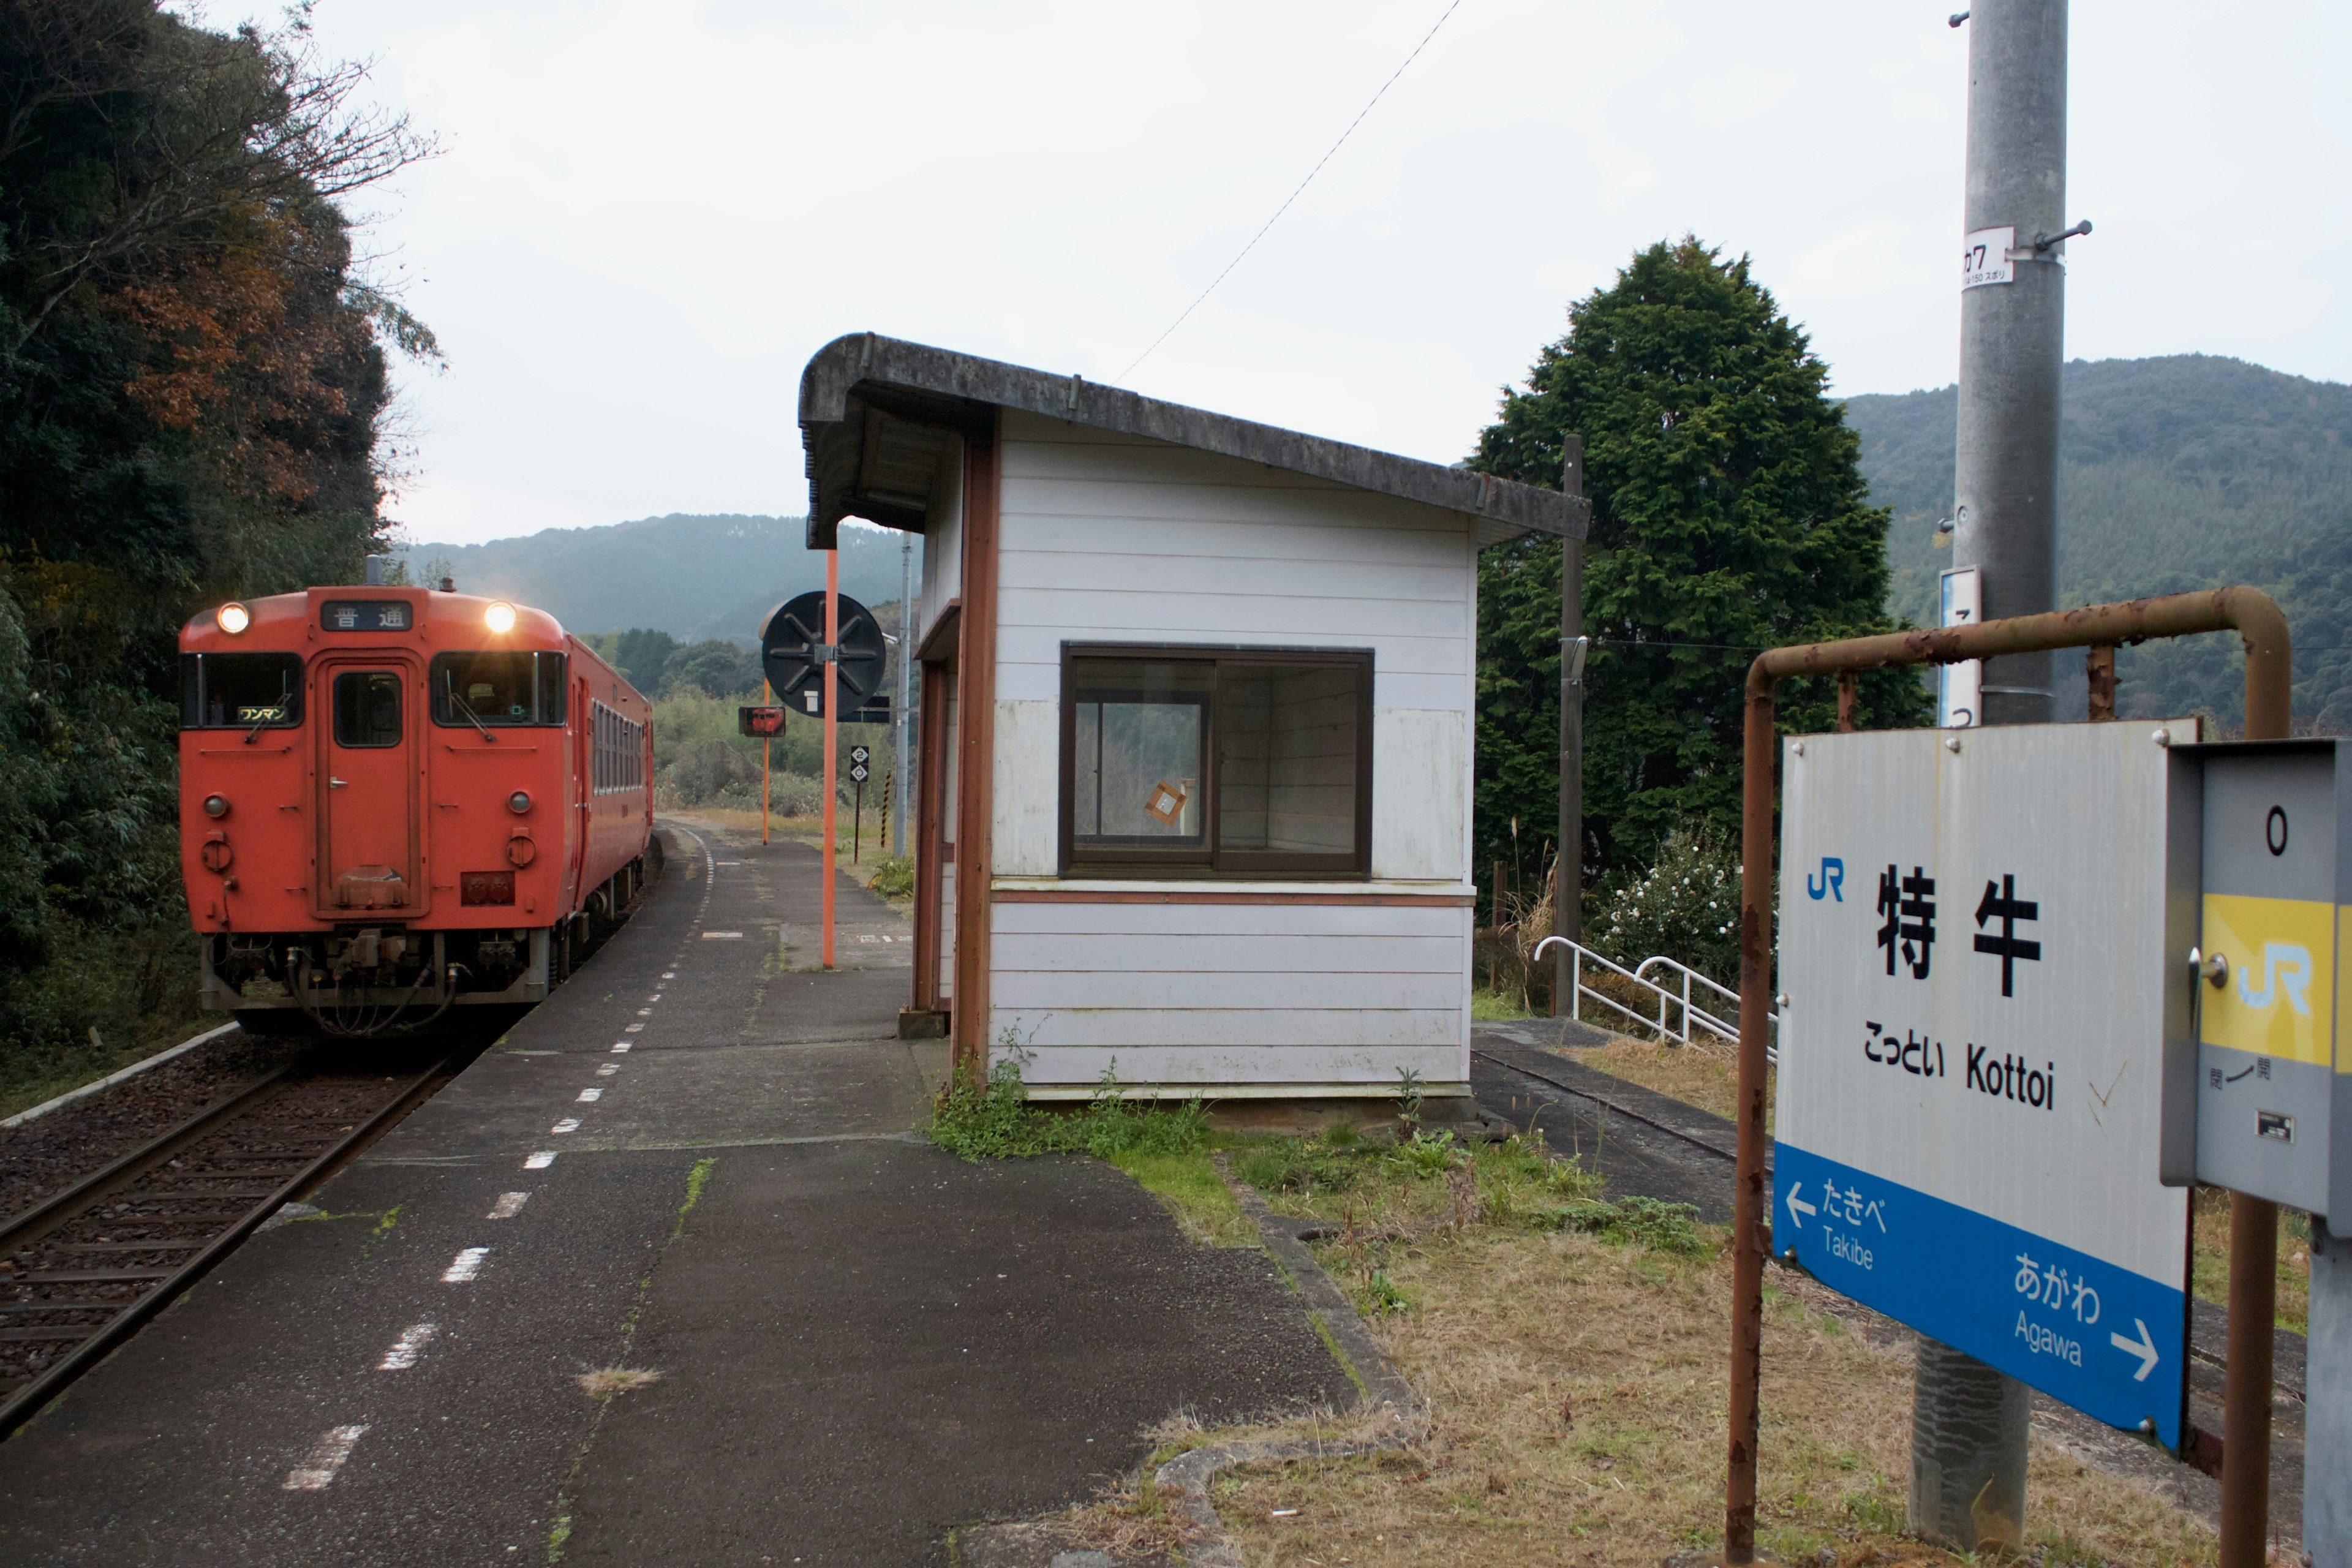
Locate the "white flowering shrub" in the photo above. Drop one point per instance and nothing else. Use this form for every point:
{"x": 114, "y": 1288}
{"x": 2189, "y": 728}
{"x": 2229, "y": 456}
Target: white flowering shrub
{"x": 1685, "y": 906}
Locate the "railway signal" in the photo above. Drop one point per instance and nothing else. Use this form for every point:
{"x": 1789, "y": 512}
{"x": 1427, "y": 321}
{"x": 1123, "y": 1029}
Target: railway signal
{"x": 858, "y": 773}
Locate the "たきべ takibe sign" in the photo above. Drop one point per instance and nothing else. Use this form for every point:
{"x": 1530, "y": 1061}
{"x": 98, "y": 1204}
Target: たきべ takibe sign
{"x": 1970, "y": 1095}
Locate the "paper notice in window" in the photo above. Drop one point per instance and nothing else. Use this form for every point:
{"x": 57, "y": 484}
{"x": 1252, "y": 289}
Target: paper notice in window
{"x": 1166, "y": 800}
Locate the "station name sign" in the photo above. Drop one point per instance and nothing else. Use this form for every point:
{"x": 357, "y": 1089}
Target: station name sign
{"x": 1974, "y": 950}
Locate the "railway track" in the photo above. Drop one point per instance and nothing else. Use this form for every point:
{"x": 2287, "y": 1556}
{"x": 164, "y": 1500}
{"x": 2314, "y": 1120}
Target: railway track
{"x": 81, "y": 1270}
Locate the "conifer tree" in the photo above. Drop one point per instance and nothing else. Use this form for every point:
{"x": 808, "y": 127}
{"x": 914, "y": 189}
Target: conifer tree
{"x": 1728, "y": 516}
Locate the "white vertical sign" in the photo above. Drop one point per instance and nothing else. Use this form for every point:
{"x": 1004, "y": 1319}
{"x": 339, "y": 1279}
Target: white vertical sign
{"x": 1973, "y": 944}
{"x": 1984, "y": 257}
{"x": 1959, "y": 687}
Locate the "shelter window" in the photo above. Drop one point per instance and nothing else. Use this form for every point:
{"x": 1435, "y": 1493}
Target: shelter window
{"x": 241, "y": 690}
{"x": 1228, "y": 762}
{"x": 497, "y": 686}
{"x": 367, "y": 707}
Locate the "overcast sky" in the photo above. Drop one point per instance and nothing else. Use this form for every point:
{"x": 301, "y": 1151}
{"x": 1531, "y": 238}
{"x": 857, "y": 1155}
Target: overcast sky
{"x": 647, "y": 215}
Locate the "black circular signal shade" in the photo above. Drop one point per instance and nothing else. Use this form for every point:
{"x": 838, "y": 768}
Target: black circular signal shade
{"x": 790, "y": 641}
{"x": 216, "y": 805}
{"x": 518, "y": 802}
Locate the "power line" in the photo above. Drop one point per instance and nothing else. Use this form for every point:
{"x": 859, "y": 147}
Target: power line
{"x": 1294, "y": 196}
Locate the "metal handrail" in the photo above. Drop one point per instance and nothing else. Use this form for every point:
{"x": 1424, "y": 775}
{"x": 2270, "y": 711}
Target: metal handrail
{"x": 1715, "y": 1024}
{"x": 1578, "y": 954}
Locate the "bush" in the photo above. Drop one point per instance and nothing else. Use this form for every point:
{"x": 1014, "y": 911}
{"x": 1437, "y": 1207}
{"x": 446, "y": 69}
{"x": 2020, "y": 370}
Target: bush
{"x": 894, "y": 877}
{"x": 1685, "y": 907}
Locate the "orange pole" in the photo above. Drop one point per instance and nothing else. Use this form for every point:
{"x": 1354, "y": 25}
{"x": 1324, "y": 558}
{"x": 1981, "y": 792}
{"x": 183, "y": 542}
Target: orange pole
{"x": 767, "y": 750}
{"x": 832, "y": 727}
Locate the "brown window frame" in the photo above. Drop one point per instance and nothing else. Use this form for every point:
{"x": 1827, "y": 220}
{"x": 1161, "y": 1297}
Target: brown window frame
{"x": 1212, "y": 861}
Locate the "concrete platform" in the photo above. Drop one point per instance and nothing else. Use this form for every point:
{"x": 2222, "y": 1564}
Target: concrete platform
{"x": 859, "y": 1342}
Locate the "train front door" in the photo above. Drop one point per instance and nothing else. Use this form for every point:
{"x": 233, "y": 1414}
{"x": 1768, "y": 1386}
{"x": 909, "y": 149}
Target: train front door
{"x": 367, "y": 781}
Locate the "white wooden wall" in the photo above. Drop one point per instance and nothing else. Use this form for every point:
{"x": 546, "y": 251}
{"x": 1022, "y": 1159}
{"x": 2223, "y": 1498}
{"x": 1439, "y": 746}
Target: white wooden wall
{"x": 1114, "y": 539}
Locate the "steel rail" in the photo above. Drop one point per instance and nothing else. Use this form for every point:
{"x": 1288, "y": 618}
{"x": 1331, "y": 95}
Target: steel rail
{"x": 28, "y": 1401}
{"x": 30, "y": 1224}
{"x": 2245, "y": 1462}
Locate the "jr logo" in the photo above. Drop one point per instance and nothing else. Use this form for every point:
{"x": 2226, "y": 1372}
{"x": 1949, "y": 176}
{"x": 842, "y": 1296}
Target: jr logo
{"x": 1830, "y": 880}
{"x": 2286, "y": 967}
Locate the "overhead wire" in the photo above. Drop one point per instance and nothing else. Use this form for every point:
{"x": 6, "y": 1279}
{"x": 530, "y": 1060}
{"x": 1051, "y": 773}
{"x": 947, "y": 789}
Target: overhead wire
{"x": 1286, "y": 201}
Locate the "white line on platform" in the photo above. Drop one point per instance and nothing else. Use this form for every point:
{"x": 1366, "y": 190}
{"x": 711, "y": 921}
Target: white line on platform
{"x": 326, "y": 1456}
{"x": 633, "y": 1028}
{"x": 608, "y": 1069}
{"x": 408, "y": 1347}
{"x": 645, "y": 1011}
{"x": 569, "y": 1125}
{"x": 467, "y": 1264}
{"x": 722, "y": 936}
{"x": 655, "y": 997}
{"x": 541, "y": 1160}
{"x": 508, "y": 1206}
{"x": 670, "y": 974}
{"x": 591, "y": 1096}
{"x": 620, "y": 1047}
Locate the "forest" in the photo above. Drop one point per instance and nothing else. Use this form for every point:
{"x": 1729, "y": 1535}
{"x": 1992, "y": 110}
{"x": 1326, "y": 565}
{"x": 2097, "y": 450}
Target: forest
{"x": 192, "y": 407}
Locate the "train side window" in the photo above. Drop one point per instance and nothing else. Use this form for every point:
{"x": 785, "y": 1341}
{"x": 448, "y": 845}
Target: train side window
{"x": 241, "y": 690}
{"x": 367, "y": 707}
{"x": 496, "y": 687}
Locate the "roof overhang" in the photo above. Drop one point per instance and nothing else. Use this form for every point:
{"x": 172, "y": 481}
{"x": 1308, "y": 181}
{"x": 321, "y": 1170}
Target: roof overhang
{"x": 881, "y": 419}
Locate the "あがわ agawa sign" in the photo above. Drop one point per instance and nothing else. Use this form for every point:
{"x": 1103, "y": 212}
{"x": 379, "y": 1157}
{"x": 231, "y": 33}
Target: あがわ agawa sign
{"x": 1973, "y": 951}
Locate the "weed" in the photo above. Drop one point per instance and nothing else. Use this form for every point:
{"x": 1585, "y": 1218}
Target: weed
{"x": 1637, "y": 1221}
{"x": 1408, "y": 1093}
{"x": 1381, "y": 1294}
{"x": 1425, "y": 1156}
{"x": 997, "y": 1121}
{"x": 1875, "y": 1513}
{"x": 894, "y": 877}
{"x": 1290, "y": 1167}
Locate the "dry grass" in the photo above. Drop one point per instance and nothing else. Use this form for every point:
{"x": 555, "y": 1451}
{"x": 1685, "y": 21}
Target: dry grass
{"x": 610, "y": 1382}
{"x": 1576, "y": 1392}
{"x": 2210, "y": 1253}
{"x": 1705, "y": 1074}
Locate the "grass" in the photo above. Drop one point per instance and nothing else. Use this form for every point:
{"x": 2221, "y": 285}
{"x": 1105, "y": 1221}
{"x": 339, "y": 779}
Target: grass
{"x": 2210, "y": 1257}
{"x": 1490, "y": 1007}
{"x": 1165, "y": 1146}
{"x": 1575, "y": 1376}
{"x": 1706, "y": 1075}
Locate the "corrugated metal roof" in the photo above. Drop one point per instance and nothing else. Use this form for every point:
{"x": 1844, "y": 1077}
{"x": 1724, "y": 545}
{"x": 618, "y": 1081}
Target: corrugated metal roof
{"x": 881, "y": 418}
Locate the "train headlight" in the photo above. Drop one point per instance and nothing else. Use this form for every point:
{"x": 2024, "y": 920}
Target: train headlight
{"x": 518, "y": 802}
{"x": 233, "y": 618}
{"x": 499, "y": 617}
{"x": 216, "y": 805}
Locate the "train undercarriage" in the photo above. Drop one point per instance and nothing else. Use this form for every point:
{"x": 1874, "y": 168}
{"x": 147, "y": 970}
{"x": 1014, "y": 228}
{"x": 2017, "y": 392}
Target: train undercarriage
{"x": 368, "y": 978}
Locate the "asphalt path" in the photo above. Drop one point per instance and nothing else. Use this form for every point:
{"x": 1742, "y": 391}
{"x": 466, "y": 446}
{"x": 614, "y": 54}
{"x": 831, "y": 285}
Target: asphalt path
{"x": 702, "y": 1300}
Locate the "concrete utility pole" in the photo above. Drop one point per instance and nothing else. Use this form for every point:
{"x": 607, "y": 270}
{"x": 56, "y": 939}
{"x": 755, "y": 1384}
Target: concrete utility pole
{"x": 1567, "y": 864}
{"x": 1968, "y": 1422}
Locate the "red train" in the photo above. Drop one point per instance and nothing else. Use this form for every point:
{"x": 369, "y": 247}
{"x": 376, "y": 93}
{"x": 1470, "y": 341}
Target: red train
{"x": 396, "y": 800}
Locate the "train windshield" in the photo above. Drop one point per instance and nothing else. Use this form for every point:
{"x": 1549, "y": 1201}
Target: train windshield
{"x": 498, "y": 686}
{"x": 241, "y": 690}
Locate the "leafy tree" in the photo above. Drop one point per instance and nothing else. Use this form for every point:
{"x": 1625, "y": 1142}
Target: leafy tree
{"x": 715, "y": 668}
{"x": 1729, "y": 517}
{"x": 642, "y": 656}
{"x": 192, "y": 404}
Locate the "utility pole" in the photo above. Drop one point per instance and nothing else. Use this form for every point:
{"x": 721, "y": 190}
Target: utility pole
{"x": 906, "y": 665}
{"x": 1969, "y": 1422}
{"x": 1568, "y": 861}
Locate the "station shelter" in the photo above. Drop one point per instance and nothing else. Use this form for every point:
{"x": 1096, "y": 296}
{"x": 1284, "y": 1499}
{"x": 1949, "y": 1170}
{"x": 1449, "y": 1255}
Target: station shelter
{"x": 1197, "y": 715}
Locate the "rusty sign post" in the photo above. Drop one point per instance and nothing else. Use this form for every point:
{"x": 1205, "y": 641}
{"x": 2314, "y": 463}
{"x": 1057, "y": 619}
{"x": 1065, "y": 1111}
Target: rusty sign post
{"x": 2246, "y": 1462}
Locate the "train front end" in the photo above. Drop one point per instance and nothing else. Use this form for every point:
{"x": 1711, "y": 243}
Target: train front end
{"x": 389, "y": 803}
